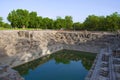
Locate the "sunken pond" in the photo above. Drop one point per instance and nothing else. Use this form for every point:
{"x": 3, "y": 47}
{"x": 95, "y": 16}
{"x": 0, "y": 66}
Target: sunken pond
{"x": 61, "y": 65}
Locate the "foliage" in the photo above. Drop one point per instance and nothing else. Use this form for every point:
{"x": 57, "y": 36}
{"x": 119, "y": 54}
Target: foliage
{"x": 69, "y": 22}
{"x": 4, "y": 25}
{"x": 24, "y": 19}
{"x": 59, "y": 23}
{"x": 101, "y": 23}
{"x": 1, "y": 23}
{"x": 77, "y": 26}
{"x": 33, "y": 20}
{"x": 91, "y": 22}
{"x": 19, "y": 18}
{"x": 47, "y": 23}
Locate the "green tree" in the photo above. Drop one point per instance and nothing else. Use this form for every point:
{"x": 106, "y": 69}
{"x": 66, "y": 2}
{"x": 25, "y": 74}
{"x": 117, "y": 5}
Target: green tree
{"x": 32, "y": 21}
{"x": 47, "y": 23}
{"x": 77, "y": 26}
{"x": 50, "y": 24}
{"x": 112, "y": 22}
{"x": 19, "y": 18}
{"x": 22, "y": 18}
{"x": 39, "y": 22}
{"x": 12, "y": 17}
{"x": 108, "y": 23}
{"x": 69, "y": 22}
{"x": 1, "y": 23}
{"x": 101, "y": 24}
{"x": 1, "y": 19}
{"x": 60, "y": 23}
{"x": 6, "y": 25}
{"x": 91, "y": 22}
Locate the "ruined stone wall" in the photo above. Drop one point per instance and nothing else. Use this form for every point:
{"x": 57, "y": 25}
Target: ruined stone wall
{"x": 18, "y": 47}
{"x": 88, "y": 41}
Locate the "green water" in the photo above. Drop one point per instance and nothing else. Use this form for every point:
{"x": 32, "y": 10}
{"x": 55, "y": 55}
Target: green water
{"x": 62, "y": 65}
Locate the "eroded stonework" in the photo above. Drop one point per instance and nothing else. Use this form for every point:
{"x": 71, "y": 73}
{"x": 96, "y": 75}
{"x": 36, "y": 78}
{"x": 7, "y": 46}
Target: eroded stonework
{"x": 6, "y": 73}
{"x": 19, "y": 47}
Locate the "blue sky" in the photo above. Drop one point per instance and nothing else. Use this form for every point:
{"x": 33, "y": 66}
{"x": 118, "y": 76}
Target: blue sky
{"x": 78, "y": 9}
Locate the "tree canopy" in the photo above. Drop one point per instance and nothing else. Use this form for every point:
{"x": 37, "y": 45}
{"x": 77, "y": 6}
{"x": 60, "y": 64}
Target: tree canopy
{"x": 3, "y": 24}
{"x": 21, "y": 18}
{"x": 1, "y": 21}
{"x": 102, "y": 23}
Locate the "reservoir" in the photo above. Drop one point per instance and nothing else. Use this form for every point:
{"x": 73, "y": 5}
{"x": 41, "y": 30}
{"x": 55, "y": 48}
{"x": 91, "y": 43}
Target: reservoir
{"x": 62, "y": 65}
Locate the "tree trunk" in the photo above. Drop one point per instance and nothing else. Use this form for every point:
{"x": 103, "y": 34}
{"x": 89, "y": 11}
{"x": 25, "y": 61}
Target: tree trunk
{"x": 23, "y": 26}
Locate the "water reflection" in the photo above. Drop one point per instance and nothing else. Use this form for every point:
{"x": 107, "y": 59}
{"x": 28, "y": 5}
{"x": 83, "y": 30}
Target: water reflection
{"x": 61, "y": 57}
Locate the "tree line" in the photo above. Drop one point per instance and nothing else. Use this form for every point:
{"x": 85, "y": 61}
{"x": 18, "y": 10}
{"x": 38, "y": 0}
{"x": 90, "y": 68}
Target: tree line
{"x": 24, "y": 19}
{"x": 3, "y": 24}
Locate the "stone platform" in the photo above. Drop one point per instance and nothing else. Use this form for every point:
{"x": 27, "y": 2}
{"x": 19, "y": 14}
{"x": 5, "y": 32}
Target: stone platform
{"x": 6, "y": 73}
{"x": 106, "y": 66}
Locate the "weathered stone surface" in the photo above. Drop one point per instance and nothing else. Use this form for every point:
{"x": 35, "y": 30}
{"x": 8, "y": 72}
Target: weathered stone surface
{"x": 6, "y": 73}
{"x": 19, "y": 47}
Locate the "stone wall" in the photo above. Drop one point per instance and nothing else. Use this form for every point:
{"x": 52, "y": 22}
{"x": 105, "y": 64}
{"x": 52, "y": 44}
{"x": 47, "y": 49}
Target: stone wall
{"x": 19, "y": 47}
{"x": 6, "y": 73}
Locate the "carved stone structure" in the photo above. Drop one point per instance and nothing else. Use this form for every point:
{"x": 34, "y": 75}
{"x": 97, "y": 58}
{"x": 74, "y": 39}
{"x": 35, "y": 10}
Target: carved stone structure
{"x": 6, "y": 73}
{"x": 19, "y": 47}
{"x": 106, "y": 66}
